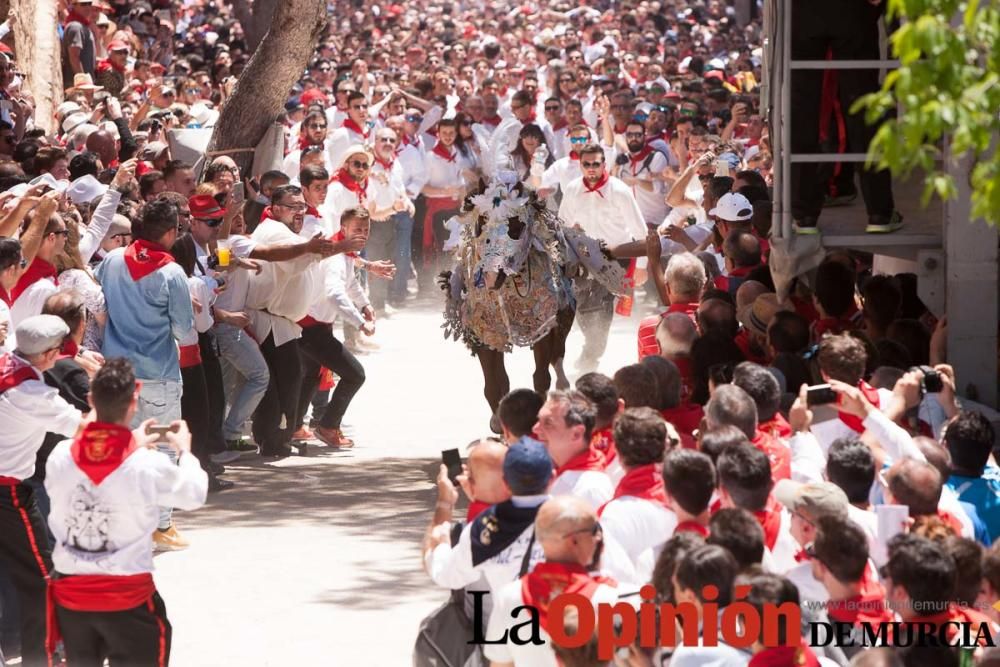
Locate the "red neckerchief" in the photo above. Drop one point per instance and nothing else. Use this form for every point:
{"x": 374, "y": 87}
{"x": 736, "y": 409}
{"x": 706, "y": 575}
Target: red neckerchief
{"x": 785, "y": 656}
{"x": 644, "y": 482}
{"x": 769, "y": 519}
{"x": 476, "y": 508}
{"x": 949, "y": 520}
{"x": 339, "y": 236}
{"x": 144, "y": 257}
{"x": 778, "y": 455}
{"x": 5, "y": 296}
{"x": 73, "y": 16}
{"x": 958, "y": 615}
{"x": 588, "y": 459}
{"x": 691, "y": 527}
{"x": 777, "y": 427}
{"x": 549, "y": 580}
{"x": 442, "y": 152}
{"x": 313, "y": 211}
{"x": 354, "y": 127}
{"x": 107, "y": 65}
{"x": 853, "y": 422}
{"x": 101, "y": 448}
{"x": 304, "y": 141}
{"x": 601, "y": 182}
{"x": 69, "y": 349}
{"x": 685, "y": 417}
{"x": 801, "y": 556}
{"x": 39, "y": 269}
{"x": 13, "y": 371}
{"x": 574, "y": 156}
{"x": 560, "y": 125}
{"x": 868, "y": 606}
{"x": 360, "y": 189}
{"x": 604, "y": 442}
{"x": 386, "y": 164}
{"x": 532, "y": 117}
{"x": 638, "y": 158}
{"x": 492, "y": 121}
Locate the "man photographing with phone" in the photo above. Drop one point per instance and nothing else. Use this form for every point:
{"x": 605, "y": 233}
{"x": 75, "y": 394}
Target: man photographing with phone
{"x": 106, "y": 487}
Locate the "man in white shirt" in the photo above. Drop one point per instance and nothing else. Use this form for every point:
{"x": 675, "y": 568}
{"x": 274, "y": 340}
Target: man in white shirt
{"x": 642, "y": 169}
{"x": 12, "y": 264}
{"x": 39, "y": 281}
{"x": 504, "y": 139}
{"x": 313, "y": 133}
{"x": 357, "y": 128}
{"x": 571, "y": 538}
{"x": 335, "y": 294}
{"x": 28, "y": 409}
{"x": 278, "y": 297}
{"x": 389, "y": 205}
{"x": 105, "y": 487}
{"x": 560, "y": 173}
{"x": 565, "y": 424}
{"x": 638, "y": 517}
{"x": 605, "y": 209}
{"x": 348, "y": 187}
{"x": 495, "y": 543}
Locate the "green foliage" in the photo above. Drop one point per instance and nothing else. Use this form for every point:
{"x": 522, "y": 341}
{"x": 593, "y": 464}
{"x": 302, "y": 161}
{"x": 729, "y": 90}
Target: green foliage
{"x": 948, "y": 85}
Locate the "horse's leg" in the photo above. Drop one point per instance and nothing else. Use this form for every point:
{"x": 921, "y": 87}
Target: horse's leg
{"x": 496, "y": 384}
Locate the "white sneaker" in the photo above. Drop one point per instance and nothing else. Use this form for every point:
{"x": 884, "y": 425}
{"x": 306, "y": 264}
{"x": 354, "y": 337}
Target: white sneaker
{"x": 225, "y": 457}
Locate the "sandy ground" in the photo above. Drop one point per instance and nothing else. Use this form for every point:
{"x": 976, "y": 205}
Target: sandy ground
{"x": 316, "y": 560}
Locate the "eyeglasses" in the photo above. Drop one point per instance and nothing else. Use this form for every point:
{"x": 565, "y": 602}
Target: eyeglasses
{"x": 594, "y": 530}
{"x": 358, "y": 164}
{"x": 592, "y": 165}
{"x": 292, "y": 207}
{"x": 578, "y": 140}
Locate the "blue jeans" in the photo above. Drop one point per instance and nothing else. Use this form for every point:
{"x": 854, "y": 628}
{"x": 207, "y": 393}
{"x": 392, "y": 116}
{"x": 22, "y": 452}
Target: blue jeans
{"x": 160, "y": 400}
{"x": 245, "y": 374}
{"x": 404, "y": 230}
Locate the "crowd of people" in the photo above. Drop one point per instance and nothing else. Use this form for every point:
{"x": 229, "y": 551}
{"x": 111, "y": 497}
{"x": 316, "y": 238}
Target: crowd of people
{"x": 160, "y": 319}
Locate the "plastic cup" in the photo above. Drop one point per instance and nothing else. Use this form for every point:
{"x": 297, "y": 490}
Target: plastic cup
{"x": 223, "y": 256}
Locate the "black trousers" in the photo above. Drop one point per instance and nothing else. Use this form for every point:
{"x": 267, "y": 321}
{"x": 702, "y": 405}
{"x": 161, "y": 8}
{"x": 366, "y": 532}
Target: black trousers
{"x": 139, "y": 637}
{"x": 850, "y": 29}
{"x": 27, "y": 557}
{"x": 281, "y": 400}
{"x": 318, "y": 348}
{"x": 216, "y": 389}
{"x": 381, "y": 245}
{"x": 194, "y": 410}
{"x": 551, "y": 348}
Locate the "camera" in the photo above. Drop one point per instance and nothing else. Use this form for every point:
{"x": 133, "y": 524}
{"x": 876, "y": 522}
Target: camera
{"x": 931, "y": 383}
{"x": 622, "y": 159}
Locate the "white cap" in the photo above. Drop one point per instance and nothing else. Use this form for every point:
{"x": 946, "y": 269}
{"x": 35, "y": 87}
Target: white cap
{"x": 40, "y": 333}
{"x": 74, "y": 120}
{"x": 733, "y": 207}
{"x": 86, "y": 189}
{"x": 50, "y": 180}
{"x": 67, "y": 108}
{"x": 203, "y": 114}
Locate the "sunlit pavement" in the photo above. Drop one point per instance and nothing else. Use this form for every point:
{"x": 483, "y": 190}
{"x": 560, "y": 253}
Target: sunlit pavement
{"x": 316, "y": 560}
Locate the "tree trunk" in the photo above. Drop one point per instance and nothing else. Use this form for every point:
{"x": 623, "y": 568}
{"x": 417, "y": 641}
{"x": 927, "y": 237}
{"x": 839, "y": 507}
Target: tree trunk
{"x": 37, "y": 46}
{"x": 260, "y": 94}
{"x": 255, "y": 17}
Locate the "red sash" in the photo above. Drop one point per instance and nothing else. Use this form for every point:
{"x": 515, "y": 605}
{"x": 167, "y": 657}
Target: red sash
{"x": 358, "y": 188}
{"x": 442, "y": 152}
{"x": 190, "y": 355}
{"x": 604, "y": 442}
{"x": 648, "y": 345}
{"x": 778, "y": 455}
{"x": 13, "y": 371}
{"x": 549, "y": 579}
{"x": 144, "y": 257}
{"x": 691, "y": 527}
{"x": 853, "y": 421}
{"x": 94, "y": 592}
{"x": 644, "y": 482}
{"x": 785, "y": 656}
{"x": 354, "y": 127}
{"x": 101, "y": 448}
{"x": 69, "y": 349}
{"x": 587, "y": 187}
{"x": 770, "y": 520}
{"x": 434, "y": 206}
{"x": 588, "y": 459}
{"x": 39, "y": 269}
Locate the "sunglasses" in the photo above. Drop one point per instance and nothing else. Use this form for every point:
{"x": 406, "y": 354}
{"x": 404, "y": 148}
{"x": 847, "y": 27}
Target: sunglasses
{"x": 316, "y": 127}
{"x": 211, "y": 222}
{"x": 554, "y": 107}
{"x": 292, "y": 207}
{"x": 415, "y": 119}
{"x": 358, "y": 164}
{"x": 578, "y": 140}
{"x": 592, "y": 165}
{"x": 594, "y": 530}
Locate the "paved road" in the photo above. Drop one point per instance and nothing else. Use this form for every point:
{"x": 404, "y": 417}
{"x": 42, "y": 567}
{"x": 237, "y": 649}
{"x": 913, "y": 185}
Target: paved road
{"x": 316, "y": 561}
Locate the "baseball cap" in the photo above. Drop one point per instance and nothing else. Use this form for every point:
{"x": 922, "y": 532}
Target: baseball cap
{"x": 733, "y": 207}
{"x": 117, "y": 46}
{"x": 527, "y": 467}
{"x": 816, "y": 498}
{"x": 40, "y": 333}
{"x": 204, "y": 207}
